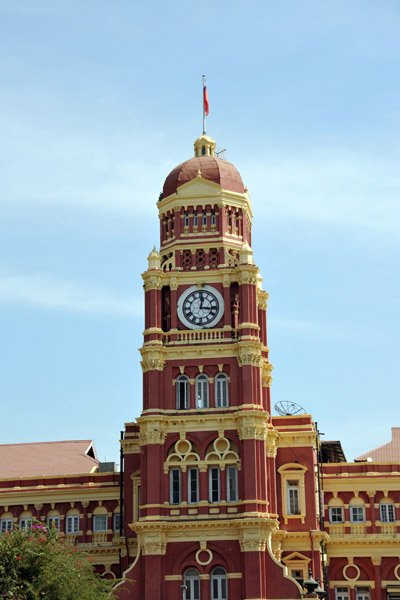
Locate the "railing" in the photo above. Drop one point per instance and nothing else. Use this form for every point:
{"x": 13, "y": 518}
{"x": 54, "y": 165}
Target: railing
{"x": 71, "y": 539}
{"x": 337, "y": 529}
{"x": 358, "y": 528}
{"x": 99, "y": 538}
{"x": 199, "y": 336}
{"x": 388, "y": 528}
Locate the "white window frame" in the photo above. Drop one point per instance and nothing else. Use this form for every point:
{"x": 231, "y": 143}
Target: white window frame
{"x": 356, "y": 512}
{"x": 232, "y": 490}
{"x": 214, "y": 490}
{"x": 175, "y": 486}
{"x": 363, "y": 593}
{"x": 221, "y": 391}
{"x": 6, "y": 525}
{"x": 342, "y": 593}
{"x": 202, "y": 389}
{"x": 293, "y": 497}
{"x": 72, "y": 524}
{"x": 191, "y": 578}
{"x": 387, "y": 512}
{"x": 193, "y": 485}
{"x": 182, "y": 384}
{"x": 221, "y": 581}
{"x": 25, "y": 523}
{"x": 116, "y": 521}
{"x": 53, "y": 519}
{"x": 97, "y": 519}
{"x": 333, "y": 516}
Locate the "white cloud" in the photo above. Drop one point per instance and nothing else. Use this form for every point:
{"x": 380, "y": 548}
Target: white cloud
{"x": 47, "y": 292}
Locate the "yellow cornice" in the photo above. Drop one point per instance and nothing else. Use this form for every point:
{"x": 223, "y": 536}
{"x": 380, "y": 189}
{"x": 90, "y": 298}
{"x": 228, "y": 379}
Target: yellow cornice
{"x": 250, "y": 424}
{"x": 202, "y": 191}
{"x": 31, "y": 495}
{"x": 296, "y": 438}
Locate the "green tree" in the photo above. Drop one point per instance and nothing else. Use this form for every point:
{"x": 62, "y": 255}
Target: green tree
{"x": 39, "y": 564}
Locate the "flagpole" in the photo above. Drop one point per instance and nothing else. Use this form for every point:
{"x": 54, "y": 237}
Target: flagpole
{"x": 204, "y": 107}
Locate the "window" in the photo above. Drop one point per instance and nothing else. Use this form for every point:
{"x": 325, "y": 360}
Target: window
{"x": 298, "y": 575}
{"x": 195, "y": 219}
{"x": 342, "y": 593}
{"x": 214, "y": 483}
{"x": 219, "y": 584}
{"x": 6, "y": 525}
{"x": 336, "y": 514}
{"x": 204, "y": 217}
{"x": 53, "y": 522}
{"x": 193, "y": 486}
{"x": 202, "y": 391}
{"x": 25, "y": 523}
{"x": 99, "y": 523}
{"x": 387, "y": 513}
{"x": 213, "y": 218}
{"x": 186, "y": 220}
{"x": 72, "y": 524}
{"x": 116, "y": 521}
{"x": 357, "y": 514}
{"x": 221, "y": 391}
{"x": 182, "y": 392}
{"x": 175, "y": 486}
{"x": 192, "y": 581}
{"x": 362, "y": 593}
{"x": 232, "y": 494}
{"x": 293, "y": 499}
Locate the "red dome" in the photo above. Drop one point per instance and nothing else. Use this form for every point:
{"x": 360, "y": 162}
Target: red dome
{"x": 214, "y": 169}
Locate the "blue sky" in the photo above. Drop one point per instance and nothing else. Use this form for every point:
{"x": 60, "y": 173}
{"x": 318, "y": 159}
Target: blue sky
{"x": 100, "y": 100}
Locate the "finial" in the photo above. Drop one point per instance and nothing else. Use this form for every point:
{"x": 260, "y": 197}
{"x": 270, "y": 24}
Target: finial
{"x": 198, "y": 173}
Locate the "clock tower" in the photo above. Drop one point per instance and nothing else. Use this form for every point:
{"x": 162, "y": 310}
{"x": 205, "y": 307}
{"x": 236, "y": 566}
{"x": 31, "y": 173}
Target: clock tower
{"x": 200, "y": 460}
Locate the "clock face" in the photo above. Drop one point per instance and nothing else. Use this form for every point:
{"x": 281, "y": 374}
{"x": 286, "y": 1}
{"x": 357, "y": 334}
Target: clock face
{"x": 200, "y": 307}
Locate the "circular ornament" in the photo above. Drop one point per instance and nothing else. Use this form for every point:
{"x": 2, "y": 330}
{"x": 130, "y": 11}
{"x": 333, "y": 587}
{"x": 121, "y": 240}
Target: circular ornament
{"x": 201, "y": 556}
{"x": 200, "y": 308}
{"x": 349, "y": 577}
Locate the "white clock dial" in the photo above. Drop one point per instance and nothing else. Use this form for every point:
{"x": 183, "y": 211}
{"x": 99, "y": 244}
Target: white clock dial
{"x": 200, "y": 307}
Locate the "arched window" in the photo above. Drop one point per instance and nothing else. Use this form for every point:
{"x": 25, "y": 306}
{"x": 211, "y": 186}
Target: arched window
{"x": 191, "y": 579}
{"x": 213, "y": 218}
{"x": 182, "y": 392}
{"x": 195, "y": 218}
{"x": 202, "y": 391}
{"x": 219, "y": 584}
{"x": 221, "y": 391}
{"x": 203, "y": 150}
{"x": 186, "y": 220}
{"x": 204, "y": 217}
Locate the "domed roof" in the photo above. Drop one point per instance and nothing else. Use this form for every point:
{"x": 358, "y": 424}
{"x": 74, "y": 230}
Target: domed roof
{"x": 214, "y": 169}
{"x": 205, "y": 164}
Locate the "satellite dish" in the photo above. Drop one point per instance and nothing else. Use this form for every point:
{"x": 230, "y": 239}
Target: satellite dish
{"x": 289, "y": 408}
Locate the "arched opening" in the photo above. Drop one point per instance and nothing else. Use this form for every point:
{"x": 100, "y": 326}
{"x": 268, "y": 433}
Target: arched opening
{"x": 219, "y": 584}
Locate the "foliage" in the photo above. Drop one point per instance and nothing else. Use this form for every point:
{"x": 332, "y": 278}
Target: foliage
{"x": 38, "y": 564}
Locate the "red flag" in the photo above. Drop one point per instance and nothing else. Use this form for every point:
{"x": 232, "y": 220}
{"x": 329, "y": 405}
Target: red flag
{"x": 205, "y": 99}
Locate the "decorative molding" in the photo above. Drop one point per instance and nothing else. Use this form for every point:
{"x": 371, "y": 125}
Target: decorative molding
{"x": 153, "y": 358}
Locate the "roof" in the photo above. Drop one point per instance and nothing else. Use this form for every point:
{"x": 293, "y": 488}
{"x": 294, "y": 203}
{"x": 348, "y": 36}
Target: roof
{"x": 213, "y": 169}
{"x": 332, "y": 451}
{"x": 47, "y": 458}
{"x": 386, "y": 452}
